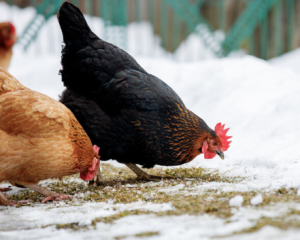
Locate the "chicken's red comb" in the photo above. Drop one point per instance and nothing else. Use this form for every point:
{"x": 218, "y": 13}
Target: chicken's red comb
{"x": 221, "y": 132}
{"x": 96, "y": 149}
{"x": 12, "y": 28}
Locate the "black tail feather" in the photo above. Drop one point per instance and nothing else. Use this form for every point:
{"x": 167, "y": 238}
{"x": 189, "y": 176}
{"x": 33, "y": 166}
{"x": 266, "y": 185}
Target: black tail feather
{"x": 87, "y": 61}
{"x": 73, "y": 25}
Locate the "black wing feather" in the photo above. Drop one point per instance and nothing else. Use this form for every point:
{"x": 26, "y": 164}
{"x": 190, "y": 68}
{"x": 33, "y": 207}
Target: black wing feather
{"x": 110, "y": 75}
{"x": 131, "y": 89}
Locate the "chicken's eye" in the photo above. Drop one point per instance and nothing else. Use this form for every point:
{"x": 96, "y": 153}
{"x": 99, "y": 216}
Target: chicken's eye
{"x": 215, "y": 144}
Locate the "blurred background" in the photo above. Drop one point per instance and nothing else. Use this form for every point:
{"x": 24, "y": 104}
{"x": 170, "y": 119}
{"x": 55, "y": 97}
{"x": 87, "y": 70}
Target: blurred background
{"x": 230, "y": 61}
{"x": 185, "y": 30}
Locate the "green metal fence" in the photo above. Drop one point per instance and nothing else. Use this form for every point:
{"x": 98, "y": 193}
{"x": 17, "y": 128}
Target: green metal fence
{"x": 264, "y": 28}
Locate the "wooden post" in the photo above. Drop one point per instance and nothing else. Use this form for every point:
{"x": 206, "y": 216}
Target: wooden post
{"x": 95, "y": 8}
{"x": 150, "y": 11}
{"x": 137, "y": 12}
{"x": 164, "y": 24}
{"x": 277, "y": 29}
{"x": 264, "y": 38}
{"x": 251, "y": 45}
{"x": 170, "y": 28}
{"x": 290, "y": 24}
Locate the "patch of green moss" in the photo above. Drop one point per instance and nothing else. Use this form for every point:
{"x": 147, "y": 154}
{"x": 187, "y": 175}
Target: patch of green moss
{"x": 25, "y": 195}
{"x": 74, "y": 226}
{"x": 114, "y": 217}
{"x": 201, "y": 174}
{"x": 146, "y": 234}
{"x": 283, "y": 223}
{"x": 118, "y": 177}
{"x": 210, "y": 202}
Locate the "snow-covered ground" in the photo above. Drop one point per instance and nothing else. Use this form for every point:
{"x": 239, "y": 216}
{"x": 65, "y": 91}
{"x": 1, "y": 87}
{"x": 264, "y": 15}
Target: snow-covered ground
{"x": 259, "y": 100}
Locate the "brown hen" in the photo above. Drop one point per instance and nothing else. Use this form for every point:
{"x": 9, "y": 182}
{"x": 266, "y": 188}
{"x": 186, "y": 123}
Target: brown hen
{"x": 40, "y": 139}
{"x": 7, "y": 40}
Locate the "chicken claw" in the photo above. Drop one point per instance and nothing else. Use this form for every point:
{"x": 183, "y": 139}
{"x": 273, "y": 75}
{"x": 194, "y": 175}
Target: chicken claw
{"x": 50, "y": 196}
{"x": 141, "y": 175}
{"x": 4, "y": 201}
{"x": 21, "y": 202}
{"x": 58, "y": 197}
{"x": 5, "y": 189}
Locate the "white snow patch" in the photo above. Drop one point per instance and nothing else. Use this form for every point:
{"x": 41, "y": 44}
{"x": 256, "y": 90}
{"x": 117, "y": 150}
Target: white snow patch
{"x": 61, "y": 213}
{"x": 168, "y": 227}
{"x": 288, "y": 61}
{"x": 267, "y": 232}
{"x": 236, "y": 201}
{"x": 257, "y": 200}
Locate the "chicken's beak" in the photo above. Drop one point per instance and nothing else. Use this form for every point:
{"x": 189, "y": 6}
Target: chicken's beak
{"x": 221, "y": 154}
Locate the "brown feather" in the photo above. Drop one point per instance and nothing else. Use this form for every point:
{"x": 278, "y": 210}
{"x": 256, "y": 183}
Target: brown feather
{"x": 39, "y": 137}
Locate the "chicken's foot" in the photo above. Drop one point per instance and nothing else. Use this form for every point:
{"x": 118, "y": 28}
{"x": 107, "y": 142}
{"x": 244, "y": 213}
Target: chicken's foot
{"x": 5, "y": 189}
{"x": 141, "y": 175}
{"x": 50, "y": 196}
{"x": 3, "y": 200}
{"x": 98, "y": 179}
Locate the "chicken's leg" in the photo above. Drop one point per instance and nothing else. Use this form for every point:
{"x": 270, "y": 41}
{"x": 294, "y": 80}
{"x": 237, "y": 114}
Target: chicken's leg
{"x": 3, "y": 200}
{"x": 141, "y": 175}
{"x": 98, "y": 179}
{"x": 50, "y": 196}
{"x": 5, "y": 189}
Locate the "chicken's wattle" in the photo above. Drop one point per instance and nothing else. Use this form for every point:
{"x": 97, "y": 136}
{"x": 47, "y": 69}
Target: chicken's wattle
{"x": 207, "y": 154}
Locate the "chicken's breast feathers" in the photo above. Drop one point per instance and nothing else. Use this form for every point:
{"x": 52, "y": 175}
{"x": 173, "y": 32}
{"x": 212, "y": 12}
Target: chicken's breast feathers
{"x": 31, "y": 113}
{"x": 23, "y": 111}
{"x": 8, "y": 82}
{"x": 39, "y": 137}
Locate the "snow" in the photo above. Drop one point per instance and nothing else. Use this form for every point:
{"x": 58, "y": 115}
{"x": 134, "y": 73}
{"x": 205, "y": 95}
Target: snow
{"x": 236, "y": 201}
{"x": 60, "y": 212}
{"x": 14, "y": 226}
{"x": 267, "y": 232}
{"x": 257, "y": 200}
{"x": 287, "y": 61}
{"x": 259, "y": 100}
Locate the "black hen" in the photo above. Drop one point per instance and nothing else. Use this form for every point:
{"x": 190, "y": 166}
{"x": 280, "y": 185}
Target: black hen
{"x": 132, "y": 115}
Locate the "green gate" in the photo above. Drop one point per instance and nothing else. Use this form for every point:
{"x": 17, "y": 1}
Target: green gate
{"x": 264, "y": 28}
